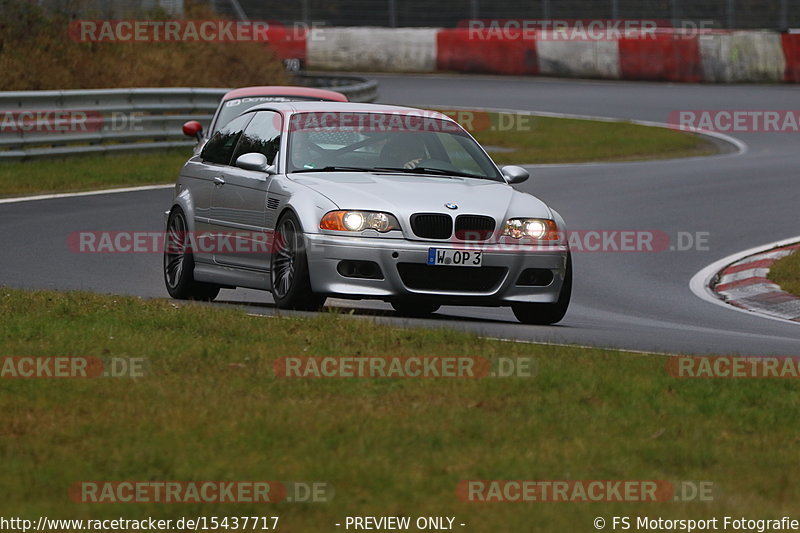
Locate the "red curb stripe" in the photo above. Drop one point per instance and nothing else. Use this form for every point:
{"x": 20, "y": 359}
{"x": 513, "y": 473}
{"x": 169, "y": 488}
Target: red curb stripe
{"x": 741, "y": 283}
{"x": 739, "y": 267}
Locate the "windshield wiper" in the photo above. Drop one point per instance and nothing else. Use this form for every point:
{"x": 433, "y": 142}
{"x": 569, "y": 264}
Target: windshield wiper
{"x": 333, "y": 169}
{"x": 418, "y": 170}
{"x": 431, "y": 171}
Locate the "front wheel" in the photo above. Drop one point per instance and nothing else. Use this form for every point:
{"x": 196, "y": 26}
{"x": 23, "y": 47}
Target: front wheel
{"x": 545, "y": 314}
{"x": 291, "y": 284}
{"x": 179, "y": 263}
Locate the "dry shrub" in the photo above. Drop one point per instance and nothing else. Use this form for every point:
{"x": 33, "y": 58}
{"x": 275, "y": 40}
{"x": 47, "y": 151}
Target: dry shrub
{"x": 36, "y": 53}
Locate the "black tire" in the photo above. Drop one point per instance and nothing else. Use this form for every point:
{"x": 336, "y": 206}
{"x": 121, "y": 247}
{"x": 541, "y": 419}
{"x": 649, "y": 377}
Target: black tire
{"x": 545, "y": 314}
{"x": 414, "y": 309}
{"x": 291, "y": 284}
{"x": 179, "y": 263}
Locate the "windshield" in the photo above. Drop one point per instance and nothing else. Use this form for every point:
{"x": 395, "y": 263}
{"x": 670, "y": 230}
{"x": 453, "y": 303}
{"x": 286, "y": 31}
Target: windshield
{"x": 385, "y": 142}
{"x": 236, "y": 106}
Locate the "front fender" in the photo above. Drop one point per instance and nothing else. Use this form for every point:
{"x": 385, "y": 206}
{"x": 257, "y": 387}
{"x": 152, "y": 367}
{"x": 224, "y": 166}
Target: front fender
{"x": 307, "y": 204}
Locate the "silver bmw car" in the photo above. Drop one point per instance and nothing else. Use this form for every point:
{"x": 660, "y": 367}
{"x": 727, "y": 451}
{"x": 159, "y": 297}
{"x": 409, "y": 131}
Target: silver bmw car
{"x": 317, "y": 199}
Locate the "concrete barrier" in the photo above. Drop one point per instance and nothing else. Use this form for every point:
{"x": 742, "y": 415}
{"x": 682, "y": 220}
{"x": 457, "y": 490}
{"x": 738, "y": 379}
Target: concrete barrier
{"x": 287, "y": 44}
{"x": 660, "y": 57}
{"x": 579, "y": 59}
{"x": 717, "y": 57}
{"x": 791, "y": 53}
{"x": 374, "y": 49}
{"x": 460, "y": 51}
{"x": 742, "y": 56}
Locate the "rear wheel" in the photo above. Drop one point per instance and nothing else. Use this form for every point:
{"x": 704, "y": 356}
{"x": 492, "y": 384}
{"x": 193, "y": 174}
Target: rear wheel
{"x": 291, "y": 284}
{"x": 544, "y": 314}
{"x": 414, "y": 309}
{"x": 179, "y": 263}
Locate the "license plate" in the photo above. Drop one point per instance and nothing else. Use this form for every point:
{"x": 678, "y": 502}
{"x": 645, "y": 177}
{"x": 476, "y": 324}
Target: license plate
{"x": 447, "y": 257}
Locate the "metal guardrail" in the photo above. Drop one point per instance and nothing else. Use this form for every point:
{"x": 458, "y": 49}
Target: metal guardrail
{"x": 356, "y": 89}
{"x": 57, "y": 123}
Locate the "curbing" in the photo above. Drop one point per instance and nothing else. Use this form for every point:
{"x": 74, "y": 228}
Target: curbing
{"x": 702, "y": 282}
{"x": 745, "y": 284}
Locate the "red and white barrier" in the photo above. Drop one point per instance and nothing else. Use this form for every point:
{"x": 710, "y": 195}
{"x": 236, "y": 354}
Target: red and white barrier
{"x": 663, "y": 55}
{"x": 373, "y": 49}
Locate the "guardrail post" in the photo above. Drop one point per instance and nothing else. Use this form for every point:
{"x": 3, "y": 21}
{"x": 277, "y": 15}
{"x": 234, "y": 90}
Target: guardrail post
{"x": 392, "y": 13}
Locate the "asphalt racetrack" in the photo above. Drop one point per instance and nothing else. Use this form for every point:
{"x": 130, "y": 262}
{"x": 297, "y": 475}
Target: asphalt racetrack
{"x": 636, "y": 301}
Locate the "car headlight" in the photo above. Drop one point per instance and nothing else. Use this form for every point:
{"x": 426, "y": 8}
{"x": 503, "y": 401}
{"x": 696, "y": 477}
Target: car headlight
{"x": 539, "y": 229}
{"x": 359, "y": 221}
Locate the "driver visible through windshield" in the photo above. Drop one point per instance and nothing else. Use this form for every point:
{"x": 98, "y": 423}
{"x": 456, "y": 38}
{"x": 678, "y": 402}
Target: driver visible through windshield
{"x": 384, "y": 142}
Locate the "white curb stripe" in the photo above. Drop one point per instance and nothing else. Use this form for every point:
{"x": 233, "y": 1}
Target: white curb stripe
{"x": 744, "y": 274}
{"x": 748, "y": 291}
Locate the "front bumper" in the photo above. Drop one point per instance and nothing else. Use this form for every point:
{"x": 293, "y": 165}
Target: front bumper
{"x": 326, "y": 251}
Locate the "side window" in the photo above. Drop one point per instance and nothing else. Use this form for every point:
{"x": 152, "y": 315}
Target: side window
{"x": 220, "y": 147}
{"x": 262, "y": 135}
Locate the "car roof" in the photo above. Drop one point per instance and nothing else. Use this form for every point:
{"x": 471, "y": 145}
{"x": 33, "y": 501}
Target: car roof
{"x": 346, "y": 107}
{"x": 285, "y": 90}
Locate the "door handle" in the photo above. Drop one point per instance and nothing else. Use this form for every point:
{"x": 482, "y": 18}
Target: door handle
{"x": 218, "y": 180}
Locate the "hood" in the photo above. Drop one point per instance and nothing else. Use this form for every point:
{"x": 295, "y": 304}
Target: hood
{"x": 404, "y": 194}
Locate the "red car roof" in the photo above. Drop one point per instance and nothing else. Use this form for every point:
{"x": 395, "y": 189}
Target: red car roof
{"x": 286, "y": 90}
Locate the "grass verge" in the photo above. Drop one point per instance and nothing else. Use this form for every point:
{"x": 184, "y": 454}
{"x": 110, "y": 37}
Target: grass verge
{"x": 540, "y": 140}
{"x": 211, "y": 408}
{"x": 786, "y": 273}
{"x": 82, "y": 173}
{"x": 527, "y": 139}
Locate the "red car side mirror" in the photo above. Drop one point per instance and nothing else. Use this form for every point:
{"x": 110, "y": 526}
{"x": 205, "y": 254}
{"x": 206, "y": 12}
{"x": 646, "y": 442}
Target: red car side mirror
{"x": 193, "y": 129}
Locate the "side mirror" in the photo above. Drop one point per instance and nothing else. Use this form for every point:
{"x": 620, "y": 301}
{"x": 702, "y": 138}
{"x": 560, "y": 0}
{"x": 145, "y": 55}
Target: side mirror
{"x": 255, "y": 161}
{"x": 515, "y": 174}
{"x": 193, "y": 129}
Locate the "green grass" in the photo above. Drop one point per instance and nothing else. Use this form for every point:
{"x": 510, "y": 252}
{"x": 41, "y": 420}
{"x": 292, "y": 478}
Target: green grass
{"x": 542, "y": 140}
{"x": 82, "y": 173}
{"x": 538, "y": 140}
{"x": 210, "y": 408}
{"x": 786, "y": 273}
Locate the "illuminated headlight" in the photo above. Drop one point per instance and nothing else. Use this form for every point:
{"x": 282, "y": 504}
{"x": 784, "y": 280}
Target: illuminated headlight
{"x": 540, "y": 229}
{"x": 354, "y": 221}
{"x": 359, "y": 221}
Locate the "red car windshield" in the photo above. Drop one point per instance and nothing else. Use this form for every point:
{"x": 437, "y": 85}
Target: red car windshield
{"x": 236, "y": 106}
